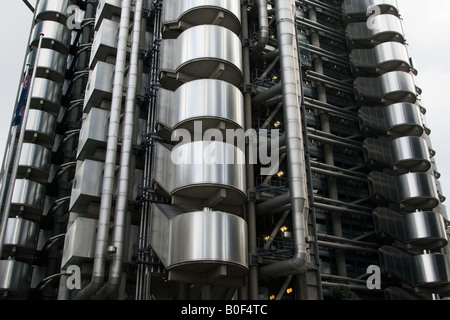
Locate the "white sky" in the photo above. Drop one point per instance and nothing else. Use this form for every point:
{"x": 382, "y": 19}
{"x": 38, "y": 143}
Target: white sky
{"x": 426, "y": 26}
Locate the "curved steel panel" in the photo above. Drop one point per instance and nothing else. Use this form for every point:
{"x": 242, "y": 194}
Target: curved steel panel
{"x": 56, "y": 36}
{"x": 421, "y": 230}
{"x": 357, "y": 9}
{"x": 200, "y": 170}
{"x": 14, "y": 276}
{"x": 386, "y": 28}
{"x": 52, "y": 10}
{"x": 200, "y": 52}
{"x": 28, "y": 196}
{"x": 396, "y": 120}
{"x": 178, "y": 15}
{"x": 205, "y": 237}
{"x": 46, "y": 96}
{"x": 21, "y": 233}
{"x": 212, "y": 102}
{"x": 34, "y": 162}
{"x": 425, "y": 270}
{"x": 405, "y": 154}
{"x": 412, "y": 191}
{"x": 385, "y": 57}
{"x": 51, "y": 64}
{"x": 389, "y": 88}
{"x": 40, "y": 128}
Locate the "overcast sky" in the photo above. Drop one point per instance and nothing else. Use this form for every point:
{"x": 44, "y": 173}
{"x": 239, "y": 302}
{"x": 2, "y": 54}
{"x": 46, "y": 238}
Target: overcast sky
{"x": 426, "y": 26}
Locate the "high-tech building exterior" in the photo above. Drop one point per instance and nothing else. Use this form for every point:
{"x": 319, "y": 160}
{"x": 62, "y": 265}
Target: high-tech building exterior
{"x": 221, "y": 149}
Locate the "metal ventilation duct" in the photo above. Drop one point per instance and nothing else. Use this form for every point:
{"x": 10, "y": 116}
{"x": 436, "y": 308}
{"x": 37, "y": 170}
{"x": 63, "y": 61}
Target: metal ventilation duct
{"x": 40, "y": 128}
{"x": 14, "y": 277}
{"x": 51, "y": 64}
{"x": 99, "y": 86}
{"x": 178, "y": 15}
{"x": 107, "y": 9}
{"x": 21, "y": 239}
{"x": 27, "y": 199}
{"x": 34, "y": 162}
{"x": 46, "y": 96}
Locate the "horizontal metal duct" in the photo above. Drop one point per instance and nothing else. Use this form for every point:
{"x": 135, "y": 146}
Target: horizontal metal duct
{"x": 27, "y": 199}
{"x": 199, "y": 53}
{"x": 215, "y": 103}
{"x": 80, "y": 240}
{"x": 202, "y": 174}
{"x": 21, "y": 239}
{"x": 421, "y": 230}
{"x": 406, "y": 154}
{"x": 383, "y": 58}
{"x": 87, "y": 185}
{"x": 386, "y": 28}
{"x": 412, "y": 191}
{"x": 56, "y": 36}
{"x": 421, "y": 271}
{"x": 52, "y": 10}
{"x": 389, "y": 88}
{"x": 178, "y": 15}
{"x": 199, "y": 241}
{"x": 357, "y": 10}
{"x": 14, "y": 276}
{"x": 396, "y": 120}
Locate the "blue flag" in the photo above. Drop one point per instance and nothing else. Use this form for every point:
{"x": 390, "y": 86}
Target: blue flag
{"x": 21, "y": 103}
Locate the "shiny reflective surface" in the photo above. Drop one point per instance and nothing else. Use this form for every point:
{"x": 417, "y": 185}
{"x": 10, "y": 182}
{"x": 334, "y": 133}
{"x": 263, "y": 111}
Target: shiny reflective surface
{"x": 52, "y": 10}
{"x": 389, "y": 88}
{"x": 396, "y": 120}
{"x": 425, "y": 270}
{"x": 217, "y": 104}
{"x": 178, "y": 15}
{"x": 40, "y": 128}
{"x": 99, "y": 86}
{"x": 201, "y": 170}
{"x": 29, "y": 195}
{"x": 406, "y": 154}
{"x": 385, "y": 57}
{"x": 199, "y": 53}
{"x": 386, "y": 28}
{"x": 410, "y": 191}
{"x": 357, "y": 9}
{"x": 421, "y": 230}
{"x": 21, "y": 237}
{"x": 198, "y": 240}
{"x": 14, "y": 276}
{"x": 34, "y": 162}
{"x": 46, "y": 96}
{"x": 51, "y": 64}
{"x": 56, "y": 36}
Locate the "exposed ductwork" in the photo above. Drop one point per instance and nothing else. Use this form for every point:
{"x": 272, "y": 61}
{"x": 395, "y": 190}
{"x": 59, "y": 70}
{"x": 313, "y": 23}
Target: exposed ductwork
{"x": 98, "y": 272}
{"x": 294, "y": 141}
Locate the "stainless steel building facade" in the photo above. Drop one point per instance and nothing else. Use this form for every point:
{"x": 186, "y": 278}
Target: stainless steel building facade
{"x": 118, "y": 182}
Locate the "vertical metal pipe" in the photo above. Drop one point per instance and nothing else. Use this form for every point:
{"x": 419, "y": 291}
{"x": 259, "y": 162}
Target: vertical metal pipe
{"x": 290, "y": 72}
{"x": 12, "y": 180}
{"x": 98, "y": 272}
{"x": 250, "y": 179}
{"x": 120, "y": 229}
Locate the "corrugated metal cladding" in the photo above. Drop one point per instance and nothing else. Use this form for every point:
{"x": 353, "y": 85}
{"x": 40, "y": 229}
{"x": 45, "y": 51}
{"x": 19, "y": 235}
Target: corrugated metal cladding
{"x": 151, "y": 128}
